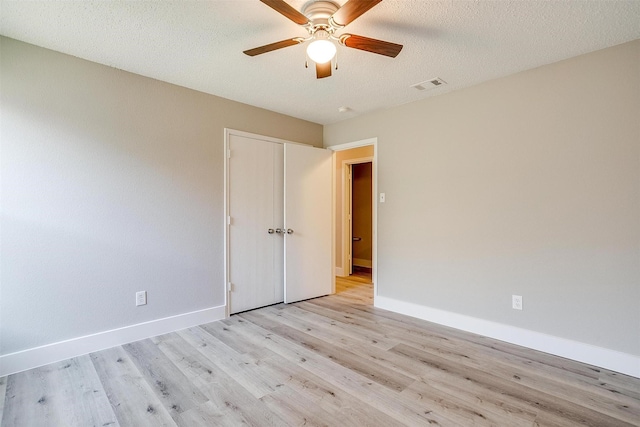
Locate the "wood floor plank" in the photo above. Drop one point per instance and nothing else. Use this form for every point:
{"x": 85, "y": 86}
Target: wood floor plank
{"x": 238, "y": 345}
{"x": 545, "y": 402}
{"x": 59, "y": 394}
{"x": 209, "y": 414}
{"x": 295, "y": 410}
{"x": 482, "y": 398}
{"x": 335, "y": 360}
{"x": 363, "y": 348}
{"x": 456, "y": 409}
{"x": 237, "y": 403}
{"x": 3, "y": 392}
{"x": 229, "y": 402}
{"x": 416, "y": 369}
{"x": 553, "y": 366}
{"x": 395, "y": 381}
{"x": 169, "y": 383}
{"x": 582, "y": 369}
{"x": 324, "y": 395}
{"x": 550, "y": 378}
{"x": 240, "y": 367}
{"x": 280, "y": 374}
{"x": 554, "y": 379}
{"x": 187, "y": 358}
{"x": 620, "y": 383}
{"x": 618, "y": 406}
{"x": 367, "y": 392}
{"x": 131, "y": 396}
{"x": 312, "y": 320}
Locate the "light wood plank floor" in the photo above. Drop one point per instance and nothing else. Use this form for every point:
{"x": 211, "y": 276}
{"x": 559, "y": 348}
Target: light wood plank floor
{"x": 332, "y": 361}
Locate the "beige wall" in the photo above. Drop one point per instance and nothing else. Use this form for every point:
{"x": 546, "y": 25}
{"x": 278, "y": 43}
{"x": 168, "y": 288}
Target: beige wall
{"x": 112, "y": 183}
{"x": 340, "y": 158}
{"x": 526, "y": 185}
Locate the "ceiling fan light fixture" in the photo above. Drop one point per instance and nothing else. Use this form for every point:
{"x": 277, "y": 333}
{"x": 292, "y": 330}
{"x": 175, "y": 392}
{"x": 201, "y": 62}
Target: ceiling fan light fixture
{"x": 321, "y": 50}
{"x": 321, "y": 19}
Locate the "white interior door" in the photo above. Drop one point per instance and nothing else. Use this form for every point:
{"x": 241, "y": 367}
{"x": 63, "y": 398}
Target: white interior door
{"x": 256, "y": 263}
{"x": 308, "y": 215}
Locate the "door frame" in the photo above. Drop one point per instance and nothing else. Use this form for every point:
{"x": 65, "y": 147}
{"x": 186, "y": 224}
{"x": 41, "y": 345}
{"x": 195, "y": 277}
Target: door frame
{"x": 227, "y": 223}
{"x": 347, "y": 146}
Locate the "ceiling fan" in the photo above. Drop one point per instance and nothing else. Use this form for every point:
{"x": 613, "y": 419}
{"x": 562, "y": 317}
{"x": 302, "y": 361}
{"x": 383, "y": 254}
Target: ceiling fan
{"x": 322, "y": 19}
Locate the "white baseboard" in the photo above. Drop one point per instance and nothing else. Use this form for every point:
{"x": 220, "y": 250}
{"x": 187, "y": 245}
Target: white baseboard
{"x": 55, "y": 352}
{"x": 362, "y": 262}
{"x": 609, "y": 359}
{"x": 339, "y": 271}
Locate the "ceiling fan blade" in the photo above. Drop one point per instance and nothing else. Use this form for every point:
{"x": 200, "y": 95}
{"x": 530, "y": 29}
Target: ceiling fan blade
{"x": 352, "y": 10}
{"x": 273, "y": 46}
{"x": 371, "y": 45}
{"x": 323, "y": 70}
{"x": 285, "y": 9}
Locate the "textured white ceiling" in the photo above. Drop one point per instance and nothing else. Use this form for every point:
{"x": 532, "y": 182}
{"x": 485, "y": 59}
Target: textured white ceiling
{"x": 199, "y": 44}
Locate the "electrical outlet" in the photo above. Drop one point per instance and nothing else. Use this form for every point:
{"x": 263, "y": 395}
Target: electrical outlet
{"x": 516, "y": 302}
{"x": 141, "y": 298}
{"x": 382, "y": 197}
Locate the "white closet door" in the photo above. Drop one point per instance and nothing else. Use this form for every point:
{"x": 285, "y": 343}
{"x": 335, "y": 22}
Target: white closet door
{"x": 308, "y": 263}
{"x": 255, "y": 206}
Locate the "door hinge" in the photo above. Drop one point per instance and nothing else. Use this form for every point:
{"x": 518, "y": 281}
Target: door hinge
{"x": 229, "y": 220}
{"x": 228, "y": 154}
{"x": 230, "y": 286}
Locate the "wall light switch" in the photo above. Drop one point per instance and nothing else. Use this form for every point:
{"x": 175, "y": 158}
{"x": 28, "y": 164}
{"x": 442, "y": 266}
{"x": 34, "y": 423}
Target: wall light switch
{"x": 382, "y": 197}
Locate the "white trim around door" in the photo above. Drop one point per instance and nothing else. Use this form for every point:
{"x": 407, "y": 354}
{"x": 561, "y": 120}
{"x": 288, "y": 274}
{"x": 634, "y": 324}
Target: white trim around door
{"x": 356, "y": 144}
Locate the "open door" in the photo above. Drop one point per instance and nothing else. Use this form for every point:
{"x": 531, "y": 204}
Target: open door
{"x": 308, "y": 215}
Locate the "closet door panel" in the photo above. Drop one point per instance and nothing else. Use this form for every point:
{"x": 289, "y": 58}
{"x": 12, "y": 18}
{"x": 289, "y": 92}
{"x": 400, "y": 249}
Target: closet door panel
{"x": 278, "y": 220}
{"x": 308, "y": 215}
{"x": 253, "y": 252}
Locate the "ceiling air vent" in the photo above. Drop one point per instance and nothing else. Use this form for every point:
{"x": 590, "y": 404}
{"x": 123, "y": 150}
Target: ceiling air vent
{"x": 429, "y": 84}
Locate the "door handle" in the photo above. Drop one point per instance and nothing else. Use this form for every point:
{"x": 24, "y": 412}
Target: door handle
{"x": 270, "y": 231}
{"x": 279, "y": 230}
{"x": 289, "y": 231}
{"x": 356, "y": 239}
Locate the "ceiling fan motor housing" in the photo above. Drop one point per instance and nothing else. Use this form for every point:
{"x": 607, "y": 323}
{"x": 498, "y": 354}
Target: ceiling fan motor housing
{"x": 318, "y": 13}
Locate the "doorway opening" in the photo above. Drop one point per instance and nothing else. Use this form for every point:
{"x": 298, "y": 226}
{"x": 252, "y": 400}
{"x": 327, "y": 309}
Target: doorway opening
{"x": 359, "y": 215}
{"x": 355, "y": 216}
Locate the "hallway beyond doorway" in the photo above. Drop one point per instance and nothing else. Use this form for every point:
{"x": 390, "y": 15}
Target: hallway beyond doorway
{"x": 358, "y": 287}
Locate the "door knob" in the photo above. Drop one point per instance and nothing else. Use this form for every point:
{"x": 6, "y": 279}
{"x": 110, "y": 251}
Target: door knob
{"x": 270, "y": 231}
{"x": 289, "y": 231}
{"x": 279, "y": 230}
